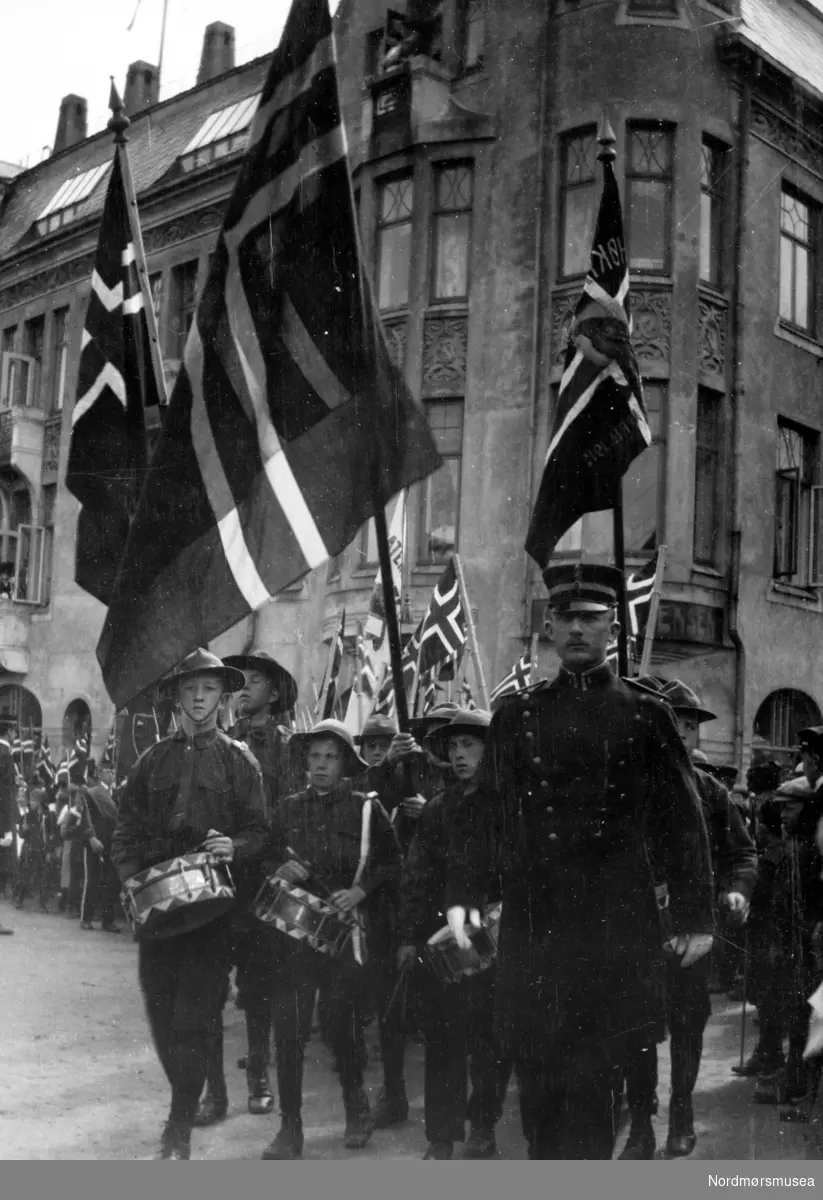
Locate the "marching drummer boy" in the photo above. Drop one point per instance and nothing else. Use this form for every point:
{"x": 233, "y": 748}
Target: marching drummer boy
{"x": 458, "y": 1017}
{"x": 348, "y": 854}
{"x": 194, "y": 791}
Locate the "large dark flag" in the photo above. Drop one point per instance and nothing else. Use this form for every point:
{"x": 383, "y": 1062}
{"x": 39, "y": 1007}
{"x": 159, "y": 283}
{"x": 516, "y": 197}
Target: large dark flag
{"x": 600, "y": 423}
{"x": 288, "y": 426}
{"x": 116, "y": 385}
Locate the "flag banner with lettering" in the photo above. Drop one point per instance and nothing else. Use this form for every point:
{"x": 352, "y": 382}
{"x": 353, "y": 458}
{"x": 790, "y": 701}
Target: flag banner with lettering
{"x": 116, "y": 392}
{"x": 288, "y": 426}
{"x": 600, "y": 424}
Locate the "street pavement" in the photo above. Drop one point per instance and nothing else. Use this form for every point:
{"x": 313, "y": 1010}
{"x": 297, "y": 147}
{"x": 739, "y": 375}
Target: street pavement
{"x": 81, "y": 1080}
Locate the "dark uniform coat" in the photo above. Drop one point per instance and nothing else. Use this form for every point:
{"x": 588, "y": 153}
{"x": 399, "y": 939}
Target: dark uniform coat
{"x": 734, "y": 855}
{"x": 593, "y": 783}
{"x": 269, "y": 743}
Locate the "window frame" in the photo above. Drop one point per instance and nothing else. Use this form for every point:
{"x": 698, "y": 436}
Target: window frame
{"x": 793, "y": 569}
{"x": 566, "y": 140}
{"x": 178, "y": 310}
{"x": 385, "y": 181}
{"x": 466, "y": 22}
{"x": 59, "y": 357}
{"x": 811, "y": 248}
{"x": 438, "y": 212}
{"x": 660, "y": 439}
{"x": 632, "y": 175}
{"x": 423, "y": 557}
{"x": 715, "y": 453}
{"x": 716, "y": 189}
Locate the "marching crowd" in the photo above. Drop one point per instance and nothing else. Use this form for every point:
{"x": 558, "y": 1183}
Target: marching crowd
{"x": 545, "y": 895}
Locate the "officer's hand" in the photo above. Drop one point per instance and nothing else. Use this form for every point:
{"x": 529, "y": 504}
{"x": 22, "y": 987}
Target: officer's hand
{"x": 348, "y": 898}
{"x": 221, "y": 847}
{"x": 402, "y": 746}
{"x": 406, "y": 957}
{"x": 456, "y": 918}
{"x": 292, "y": 872}
{"x": 690, "y": 947}
{"x": 737, "y": 903}
{"x": 96, "y": 845}
{"x": 412, "y": 806}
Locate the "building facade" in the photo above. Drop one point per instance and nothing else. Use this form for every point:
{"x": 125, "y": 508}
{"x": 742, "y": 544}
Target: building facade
{"x": 472, "y": 133}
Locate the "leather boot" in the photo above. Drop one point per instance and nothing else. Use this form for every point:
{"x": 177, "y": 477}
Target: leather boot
{"x": 261, "y": 1099}
{"x": 215, "y": 1103}
{"x": 359, "y": 1121}
{"x": 481, "y": 1143}
{"x": 175, "y": 1142}
{"x": 682, "y": 1139}
{"x": 641, "y": 1143}
{"x": 288, "y": 1144}
{"x": 392, "y": 1107}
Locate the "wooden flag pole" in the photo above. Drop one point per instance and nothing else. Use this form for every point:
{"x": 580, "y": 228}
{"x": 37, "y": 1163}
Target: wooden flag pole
{"x": 324, "y": 691}
{"x": 393, "y": 630}
{"x": 118, "y": 124}
{"x": 471, "y": 633}
{"x": 533, "y": 655}
{"x": 606, "y": 140}
{"x": 651, "y": 624}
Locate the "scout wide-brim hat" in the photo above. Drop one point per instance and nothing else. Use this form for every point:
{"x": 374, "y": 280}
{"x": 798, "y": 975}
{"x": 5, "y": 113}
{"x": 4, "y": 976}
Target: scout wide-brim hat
{"x": 261, "y": 660}
{"x": 438, "y": 716}
{"x": 203, "y": 662}
{"x": 353, "y": 764}
{"x": 378, "y": 726}
{"x": 582, "y": 587}
{"x": 472, "y": 721}
{"x": 811, "y": 739}
{"x": 677, "y": 695}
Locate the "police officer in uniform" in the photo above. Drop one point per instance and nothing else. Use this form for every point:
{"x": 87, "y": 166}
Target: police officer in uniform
{"x": 592, "y": 782}
{"x": 195, "y": 790}
{"x": 688, "y": 1003}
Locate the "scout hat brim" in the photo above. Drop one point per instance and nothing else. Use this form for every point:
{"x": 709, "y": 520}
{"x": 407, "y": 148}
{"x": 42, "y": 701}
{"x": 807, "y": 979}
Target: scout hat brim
{"x": 283, "y": 680}
{"x": 353, "y": 765}
{"x": 202, "y": 662}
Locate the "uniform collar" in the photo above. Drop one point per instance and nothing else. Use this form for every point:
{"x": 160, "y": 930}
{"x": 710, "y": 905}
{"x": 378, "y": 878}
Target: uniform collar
{"x": 584, "y": 681}
{"x": 200, "y": 740}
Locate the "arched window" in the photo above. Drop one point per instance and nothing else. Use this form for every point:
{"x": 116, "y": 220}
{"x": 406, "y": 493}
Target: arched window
{"x": 76, "y": 723}
{"x": 779, "y": 719}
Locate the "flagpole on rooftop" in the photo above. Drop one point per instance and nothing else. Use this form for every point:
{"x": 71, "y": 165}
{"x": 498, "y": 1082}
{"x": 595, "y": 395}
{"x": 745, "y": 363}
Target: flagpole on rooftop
{"x": 606, "y": 155}
{"x": 118, "y": 124}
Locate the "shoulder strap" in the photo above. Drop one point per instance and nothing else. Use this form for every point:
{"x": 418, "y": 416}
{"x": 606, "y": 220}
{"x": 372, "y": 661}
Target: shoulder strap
{"x": 365, "y": 839}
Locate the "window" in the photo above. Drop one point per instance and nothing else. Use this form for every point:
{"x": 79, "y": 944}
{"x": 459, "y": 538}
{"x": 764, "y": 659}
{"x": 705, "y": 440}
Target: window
{"x": 779, "y": 719}
{"x": 649, "y": 184}
{"x": 707, "y": 477}
{"x": 9, "y": 335}
{"x": 394, "y": 242}
{"x": 643, "y": 483}
{"x": 224, "y": 132}
{"x": 182, "y": 303}
{"x": 59, "y": 357}
{"x": 15, "y": 511}
{"x": 795, "y": 478}
{"x": 452, "y": 231}
{"x": 48, "y": 502}
{"x": 367, "y": 552}
{"x": 17, "y": 380}
{"x": 29, "y": 566}
{"x": 474, "y": 34}
{"x": 714, "y": 166}
{"x": 69, "y": 201}
{"x": 440, "y": 493}
{"x": 577, "y": 201}
{"x": 33, "y": 337}
{"x": 797, "y": 260}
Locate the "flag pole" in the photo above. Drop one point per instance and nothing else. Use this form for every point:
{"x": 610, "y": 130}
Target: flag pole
{"x": 607, "y": 154}
{"x": 651, "y": 624}
{"x": 392, "y": 626}
{"x": 118, "y": 124}
{"x": 470, "y": 632}
{"x": 324, "y": 691}
{"x": 533, "y": 655}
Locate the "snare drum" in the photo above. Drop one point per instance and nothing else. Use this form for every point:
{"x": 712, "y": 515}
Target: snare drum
{"x": 177, "y": 896}
{"x": 451, "y": 964}
{"x": 304, "y": 917}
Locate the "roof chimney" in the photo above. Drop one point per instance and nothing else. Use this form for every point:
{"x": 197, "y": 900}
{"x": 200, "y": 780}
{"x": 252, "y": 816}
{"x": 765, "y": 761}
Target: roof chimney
{"x": 142, "y": 88}
{"x": 71, "y": 124}
{"x": 218, "y": 51}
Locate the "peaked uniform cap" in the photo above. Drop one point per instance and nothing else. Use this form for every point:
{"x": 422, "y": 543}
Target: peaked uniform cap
{"x": 334, "y": 729}
{"x": 204, "y": 662}
{"x": 811, "y": 738}
{"x": 378, "y": 726}
{"x": 261, "y": 660}
{"x": 583, "y": 587}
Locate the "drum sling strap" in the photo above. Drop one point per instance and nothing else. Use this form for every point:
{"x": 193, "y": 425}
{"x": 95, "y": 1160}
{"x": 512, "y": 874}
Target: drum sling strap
{"x": 358, "y": 940}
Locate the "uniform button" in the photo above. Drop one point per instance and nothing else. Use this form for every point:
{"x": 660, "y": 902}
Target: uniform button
{"x": 552, "y": 837}
{"x": 529, "y": 736}
{"x": 550, "y": 810}
{"x": 537, "y": 760}
{"x": 527, "y": 712}
{"x": 544, "y": 783}
{"x": 599, "y": 833}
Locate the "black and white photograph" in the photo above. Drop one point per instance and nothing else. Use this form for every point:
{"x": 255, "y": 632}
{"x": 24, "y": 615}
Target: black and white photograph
{"x": 411, "y": 589}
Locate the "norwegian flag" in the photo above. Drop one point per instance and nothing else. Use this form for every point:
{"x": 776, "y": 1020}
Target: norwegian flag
{"x": 600, "y": 422}
{"x": 116, "y": 388}
{"x": 44, "y": 767}
{"x": 110, "y": 752}
{"x": 639, "y": 589}
{"x": 328, "y": 692}
{"x": 289, "y": 425}
{"x": 518, "y": 678}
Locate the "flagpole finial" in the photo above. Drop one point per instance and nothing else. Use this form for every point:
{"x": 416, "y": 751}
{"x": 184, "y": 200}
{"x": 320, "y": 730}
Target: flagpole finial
{"x": 119, "y": 122}
{"x": 606, "y": 140}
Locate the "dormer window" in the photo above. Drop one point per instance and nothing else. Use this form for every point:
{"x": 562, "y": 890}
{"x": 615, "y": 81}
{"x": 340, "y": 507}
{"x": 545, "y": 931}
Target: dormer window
{"x": 223, "y": 133}
{"x": 70, "y": 200}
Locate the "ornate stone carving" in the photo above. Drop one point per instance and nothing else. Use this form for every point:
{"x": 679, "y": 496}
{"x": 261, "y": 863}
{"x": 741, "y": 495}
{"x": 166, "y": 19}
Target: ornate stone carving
{"x": 396, "y": 338}
{"x": 191, "y": 225}
{"x": 47, "y": 281}
{"x": 784, "y": 135}
{"x": 652, "y": 324}
{"x": 51, "y": 445}
{"x": 711, "y": 343}
{"x": 444, "y": 355}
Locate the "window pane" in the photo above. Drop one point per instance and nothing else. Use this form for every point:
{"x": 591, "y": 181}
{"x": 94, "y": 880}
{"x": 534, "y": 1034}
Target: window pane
{"x": 785, "y": 523}
{"x": 641, "y": 491}
{"x": 396, "y": 201}
{"x": 801, "y": 287}
{"x": 441, "y": 498}
{"x": 706, "y": 477}
{"x": 394, "y": 257}
{"x": 580, "y": 158}
{"x": 452, "y": 255}
{"x": 446, "y": 423}
{"x": 578, "y": 230}
{"x": 786, "y": 247}
{"x": 475, "y": 33}
{"x": 571, "y": 540}
{"x": 706, "y": 238}
{"x": 454, "y": 187}
{"x": 648, "y": 218}
{"x": 650, "y": 151}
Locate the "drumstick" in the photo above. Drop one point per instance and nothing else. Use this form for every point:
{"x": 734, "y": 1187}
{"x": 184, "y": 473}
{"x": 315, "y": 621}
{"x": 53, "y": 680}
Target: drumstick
{"x": 307, "y": 866}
